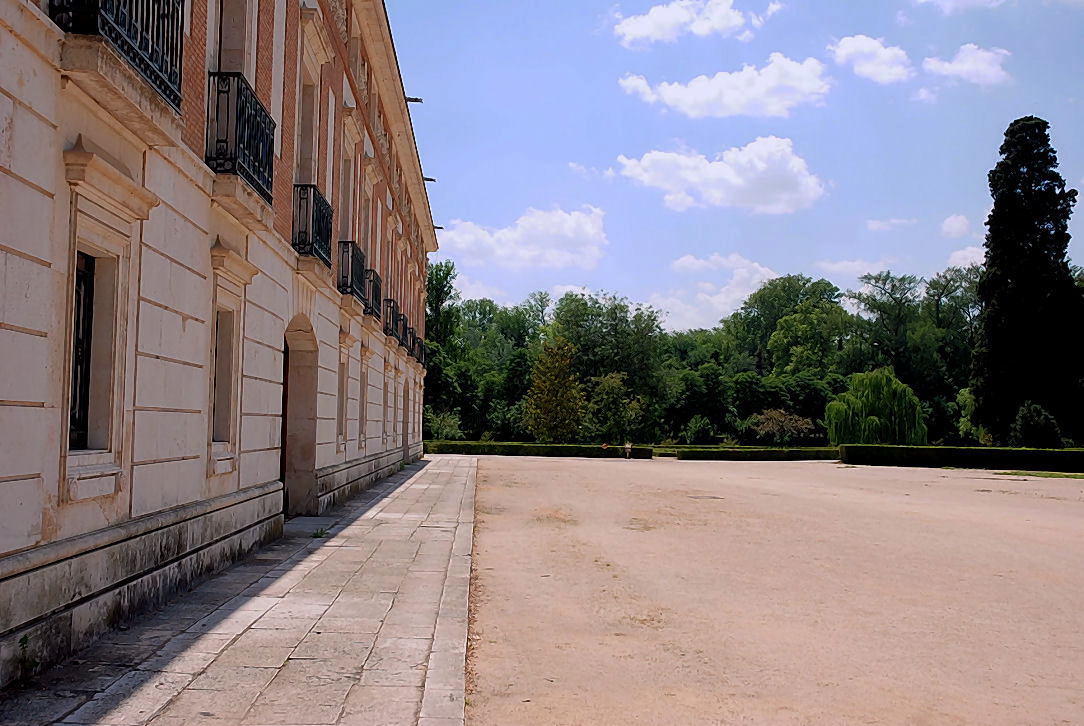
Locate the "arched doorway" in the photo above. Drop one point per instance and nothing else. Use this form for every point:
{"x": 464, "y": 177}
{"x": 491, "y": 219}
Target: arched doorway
{"x": 297, "y": 462}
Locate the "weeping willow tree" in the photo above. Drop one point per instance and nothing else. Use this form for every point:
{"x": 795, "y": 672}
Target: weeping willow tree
{"x": 877, "y": 409}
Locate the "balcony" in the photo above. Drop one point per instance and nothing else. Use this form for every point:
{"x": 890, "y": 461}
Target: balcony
{"x": 352, "y": 271}
{"x": 312, "y": 223}
{"x": 409, "y": 340}
{"x": 240, "y": 132}
{"x": 401, "y": 329}
{"x": 391, "y": 318}
{"x": 146, "y": 33}
{"x": 372, "y": 301}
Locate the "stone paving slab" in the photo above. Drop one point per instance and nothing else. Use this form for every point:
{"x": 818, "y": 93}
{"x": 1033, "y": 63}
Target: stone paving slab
{"x": 365, "y": 626}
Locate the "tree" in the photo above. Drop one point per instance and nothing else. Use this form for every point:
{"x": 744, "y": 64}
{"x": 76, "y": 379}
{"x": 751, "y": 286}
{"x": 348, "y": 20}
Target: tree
{"x": 780, "y": 428}
{"x": 555, "y": 402}
{"x": 698, "y": 431}
{"x": 876, "y": 409}
{"x": 613, "y": 415}
{"x": 1035, "y": 428}
{"x": 1030, "y": 301}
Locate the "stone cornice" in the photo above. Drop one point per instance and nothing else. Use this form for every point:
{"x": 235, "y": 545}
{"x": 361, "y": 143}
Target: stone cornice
{"x": 97, "y": 179}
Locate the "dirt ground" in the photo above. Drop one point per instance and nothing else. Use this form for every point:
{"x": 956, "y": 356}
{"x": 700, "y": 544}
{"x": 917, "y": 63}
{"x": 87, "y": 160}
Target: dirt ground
{"x": 664, "y": 592}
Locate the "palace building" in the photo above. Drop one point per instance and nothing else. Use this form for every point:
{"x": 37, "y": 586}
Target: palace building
{"x": 213, "y": 239}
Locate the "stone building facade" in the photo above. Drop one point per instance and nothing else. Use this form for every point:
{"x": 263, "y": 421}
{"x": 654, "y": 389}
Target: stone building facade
{"x": 213, "y": 238}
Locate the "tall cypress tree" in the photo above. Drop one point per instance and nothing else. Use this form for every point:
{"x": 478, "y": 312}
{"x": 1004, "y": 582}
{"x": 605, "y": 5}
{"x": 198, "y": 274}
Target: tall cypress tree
{"x": 555, "y": 402}
{"x": 1028, "y": 341}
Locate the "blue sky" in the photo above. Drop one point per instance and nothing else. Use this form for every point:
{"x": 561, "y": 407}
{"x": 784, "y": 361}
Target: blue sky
{"x": 682, "y": 152}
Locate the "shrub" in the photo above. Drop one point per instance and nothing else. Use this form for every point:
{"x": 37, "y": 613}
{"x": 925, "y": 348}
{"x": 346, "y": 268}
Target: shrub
{"x": 1034, "y": 427}
{"x": 780, "y": 428}
{"x": 442, "y": 425}
{"x": 759, "y": 454}
{"x": 509, "y": 448}
{"x": 876, "y": 409}
{"x": 965, "y": 457}
{"x": 698, "y": 431}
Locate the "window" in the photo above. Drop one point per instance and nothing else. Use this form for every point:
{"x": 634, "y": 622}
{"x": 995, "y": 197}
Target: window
{"x": 236, "y": 36}
{"x": 90, "y": 415}
{"x": 340, "y": 414}
{"x": 363, "y": 401}
{"x": 306, "y": 134}
{"x": 222, "y": 396}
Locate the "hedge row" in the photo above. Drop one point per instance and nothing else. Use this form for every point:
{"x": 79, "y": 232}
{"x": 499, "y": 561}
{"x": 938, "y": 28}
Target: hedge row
{"x": 503, "y": 448}
{"x": 1062, "y": 460}
{"x": 761, "y": 454}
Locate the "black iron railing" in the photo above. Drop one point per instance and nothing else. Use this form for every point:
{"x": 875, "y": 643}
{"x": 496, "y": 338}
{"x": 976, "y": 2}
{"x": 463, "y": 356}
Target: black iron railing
{"x": 409, "y": 342}
{"x": 372, "y": 300}
{"x": 147, "y": 33}
{"x": 240, "y": 132}
{"x": 401, "y": 329}
{"x": 352, "y": 270}
{"x": 312, "y": 223}
{"x": 423, "y": 353}
{"x": 391, "y": 317}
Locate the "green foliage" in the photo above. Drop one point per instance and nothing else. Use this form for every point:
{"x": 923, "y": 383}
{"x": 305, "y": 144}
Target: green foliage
{"x": 1029, "y": 296}
{"x": 779, "y": 428}
{"x": 876, "y": 409}
{"x": 555, "y": 403}
{"x": 504, "y": 448}
{"x": 1035, "y": 428}
{"x": 969, "y": 432}
{"x": 964, "y": 457}
{"x": 613, "y": 414}
{"x": 441, "y": 425}
{"x": 759, "y": 454}
{"x": 698, "y": 431}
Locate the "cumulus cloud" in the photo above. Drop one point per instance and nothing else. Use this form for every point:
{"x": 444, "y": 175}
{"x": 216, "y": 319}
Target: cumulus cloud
{"x": 973, "y": 255}
{"x": 956, "y": 226}
{"x": 758, "y": 21}
{"x": 704, "y": 303}
{"x": 950, "y": 7}
{"x": 972, "y": 64}
{"x": 886, "y": 225}
{"x": 765, "y": 176}
{"x": 852, "y": 268}
{"x": 590, "y": 172}
{"x": 924, "y": 95}
{"x": 772, "y": 90}
{"x": 871, "y": 58}
{"x": 667, "y": 22}
{"x": 554, "y": 239}
{"x": 471, "y": 289}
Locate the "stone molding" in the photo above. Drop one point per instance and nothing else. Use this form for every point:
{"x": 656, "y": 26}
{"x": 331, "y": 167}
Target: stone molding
{"x": 103, "y": 183}
{"x": 231, "y": 265}
{"x": 241, "y": 202}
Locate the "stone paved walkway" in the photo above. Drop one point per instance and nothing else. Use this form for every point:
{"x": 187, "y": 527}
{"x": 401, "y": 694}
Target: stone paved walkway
{"x": 365, "y": 626}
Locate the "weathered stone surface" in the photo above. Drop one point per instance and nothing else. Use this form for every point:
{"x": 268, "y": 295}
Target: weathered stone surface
{"x": 336, "y": 643}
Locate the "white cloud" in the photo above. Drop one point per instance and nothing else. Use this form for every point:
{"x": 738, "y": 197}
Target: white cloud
{"x": 706, "y": 302}
{"x": 949, "y": 7}
{"x": 553, "y": 238}
{"x": 668, "y": 22}
{"x": 765, "y": 176}
{"x": 559, "y": 291}
{"x": 758, "y": 21}
{"x": 886, "y": 225}
{"x": 590, "y": 172}
{"x": 901, "y": 18}
{"x": 772, "y": 90}
{"x": 924, "y": 95}
{"x": 973, "y": 255}
{"x": 471, "y": 289}
{"x": 973, "y": 64}
{"x": 871, "y": 58}
{"x": 956, "y": 226}
{"x": 852, "y": 268}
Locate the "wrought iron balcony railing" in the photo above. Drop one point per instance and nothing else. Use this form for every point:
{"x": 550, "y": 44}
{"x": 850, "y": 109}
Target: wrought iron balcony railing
{"x": 352, "y": 271}
{"x": 391, "y": 318}
{"x": 401, "y": 329}
{"x": 409, "y": 340}
{"x": 146, "y": 33}
{"x": 312, "y": 223}
{"x": 372, "y": 300}
{"x": 423, "y": 353}
{"x": 240, "y": 132}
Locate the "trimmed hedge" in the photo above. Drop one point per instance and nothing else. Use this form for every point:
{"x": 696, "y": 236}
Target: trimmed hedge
{"x": 759, "y": 454}
{"x": 964, "y": 457}
{"x": 507, "y": 448}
